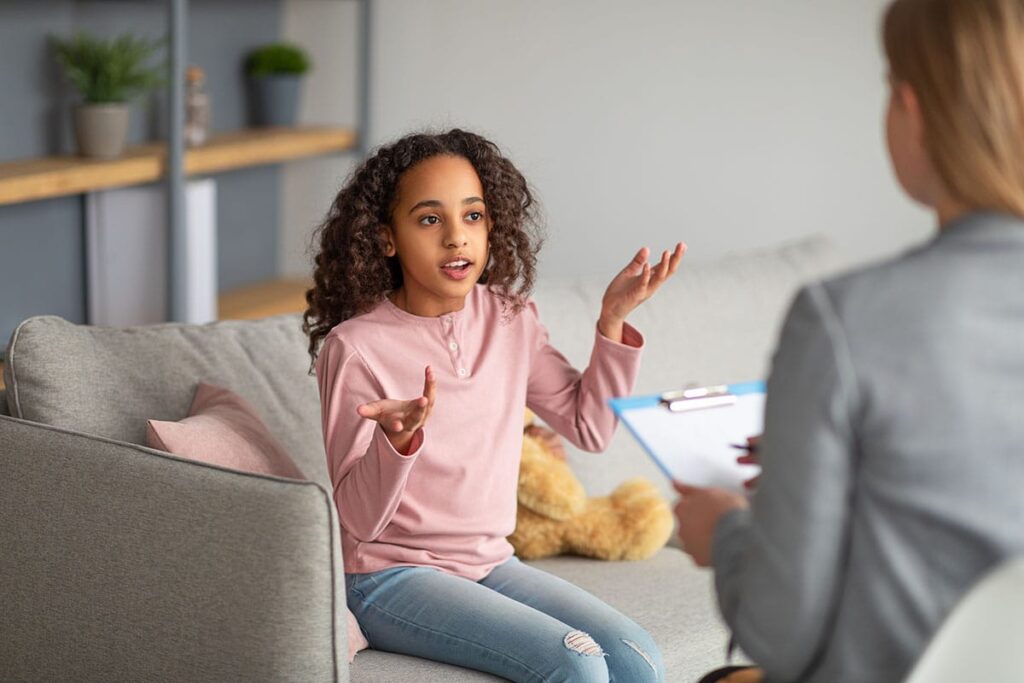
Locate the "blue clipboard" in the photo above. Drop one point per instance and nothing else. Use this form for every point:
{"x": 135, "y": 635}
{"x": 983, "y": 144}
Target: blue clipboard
{"x": 689, "y": 434}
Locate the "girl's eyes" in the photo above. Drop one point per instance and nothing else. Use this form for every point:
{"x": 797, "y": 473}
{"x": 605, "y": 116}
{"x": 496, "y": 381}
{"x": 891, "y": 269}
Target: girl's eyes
{"x": 472, "y": 217}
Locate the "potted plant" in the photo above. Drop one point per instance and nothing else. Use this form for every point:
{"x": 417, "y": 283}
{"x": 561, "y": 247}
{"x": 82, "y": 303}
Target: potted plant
{"x": 108, "y": 74}
{"x": 274, "y": 73}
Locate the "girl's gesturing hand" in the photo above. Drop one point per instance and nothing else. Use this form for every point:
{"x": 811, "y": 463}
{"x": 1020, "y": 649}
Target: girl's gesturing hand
{"x": 635, "y": 284}
{"x": 403, "y": 420}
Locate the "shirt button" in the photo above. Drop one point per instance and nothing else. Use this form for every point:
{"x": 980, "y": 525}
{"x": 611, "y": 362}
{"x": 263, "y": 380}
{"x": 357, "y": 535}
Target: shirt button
{"x": 462, "y": 372}
{"x": 453, "y": 346}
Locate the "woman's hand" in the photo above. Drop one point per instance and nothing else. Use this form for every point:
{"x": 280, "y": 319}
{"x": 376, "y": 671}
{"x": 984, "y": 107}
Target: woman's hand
{"x": 402, "y": 421}
{"x": 635, "y": 284}
{"x": 697, "y": 513}
{"x": 751, "y": 457}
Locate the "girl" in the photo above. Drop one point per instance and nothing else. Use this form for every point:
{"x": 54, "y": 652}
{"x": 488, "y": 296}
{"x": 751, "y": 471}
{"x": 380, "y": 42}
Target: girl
{"x": 892, "y": 448}
{"x": 420, "y": 289}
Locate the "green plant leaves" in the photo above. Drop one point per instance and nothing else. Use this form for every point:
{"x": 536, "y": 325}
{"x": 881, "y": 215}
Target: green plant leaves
{"x": 277, "y": 58}
{"x": 112, "y": 70}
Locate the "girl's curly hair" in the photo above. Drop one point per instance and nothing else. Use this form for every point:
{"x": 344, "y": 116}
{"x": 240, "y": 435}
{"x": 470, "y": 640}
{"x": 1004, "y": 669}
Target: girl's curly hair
{"x": 352, "y": 274}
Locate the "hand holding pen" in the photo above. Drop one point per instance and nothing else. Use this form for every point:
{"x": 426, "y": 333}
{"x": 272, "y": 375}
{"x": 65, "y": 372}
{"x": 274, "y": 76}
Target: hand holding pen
{"x": 750, "y": 457}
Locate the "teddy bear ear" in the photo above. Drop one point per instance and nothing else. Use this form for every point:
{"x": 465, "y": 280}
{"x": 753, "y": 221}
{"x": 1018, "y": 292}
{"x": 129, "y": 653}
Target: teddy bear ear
{"x": 528, "y": 418}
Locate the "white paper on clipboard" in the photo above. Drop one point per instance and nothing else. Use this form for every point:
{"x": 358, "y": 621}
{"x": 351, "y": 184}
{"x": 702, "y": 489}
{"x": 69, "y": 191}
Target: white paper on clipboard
{"x": 695, "y": 446}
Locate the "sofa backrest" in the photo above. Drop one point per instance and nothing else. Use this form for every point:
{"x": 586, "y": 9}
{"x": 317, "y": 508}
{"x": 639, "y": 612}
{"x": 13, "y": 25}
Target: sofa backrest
{"x": 109, "y": 381}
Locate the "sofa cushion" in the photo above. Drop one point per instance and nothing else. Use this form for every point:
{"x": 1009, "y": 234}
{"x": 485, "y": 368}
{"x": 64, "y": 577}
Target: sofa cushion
{"x": 109, "y": 381}
{"x": 223, "y": 429}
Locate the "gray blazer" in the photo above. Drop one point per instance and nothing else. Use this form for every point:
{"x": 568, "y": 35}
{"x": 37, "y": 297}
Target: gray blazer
{"x": 893, "y": 459}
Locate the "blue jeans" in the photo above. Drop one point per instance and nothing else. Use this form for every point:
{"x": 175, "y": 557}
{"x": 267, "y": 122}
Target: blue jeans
{"x": 518, "y": 623}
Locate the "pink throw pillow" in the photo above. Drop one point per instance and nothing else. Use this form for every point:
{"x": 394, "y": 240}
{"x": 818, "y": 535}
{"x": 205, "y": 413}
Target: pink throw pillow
{"x": 356, "y": 639}
{"x": 222, "y": 428}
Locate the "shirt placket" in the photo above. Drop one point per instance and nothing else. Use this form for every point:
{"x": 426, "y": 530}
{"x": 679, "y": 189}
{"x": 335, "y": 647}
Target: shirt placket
{"x": 450, "y": 334}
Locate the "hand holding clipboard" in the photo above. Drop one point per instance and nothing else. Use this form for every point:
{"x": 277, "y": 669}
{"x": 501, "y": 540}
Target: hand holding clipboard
{"x": 690, "y": 434}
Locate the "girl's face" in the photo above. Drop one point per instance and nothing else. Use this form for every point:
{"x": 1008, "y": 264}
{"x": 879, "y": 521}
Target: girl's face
{"x": 439, "y": 228}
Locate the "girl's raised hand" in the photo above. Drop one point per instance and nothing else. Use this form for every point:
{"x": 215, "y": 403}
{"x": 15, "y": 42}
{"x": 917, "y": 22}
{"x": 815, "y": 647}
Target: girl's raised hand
{"x": 635, "y": 284}
{"x": 403, "y": 420}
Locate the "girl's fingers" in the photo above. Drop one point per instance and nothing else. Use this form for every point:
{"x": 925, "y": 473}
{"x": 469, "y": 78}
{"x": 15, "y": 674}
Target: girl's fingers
{"x": 370, "y": 410}
{"x": 429, "y": 386}
{"x": 416, "y": 413}
{"x": 638, "y": 262}
{"x": 660, "y": 272}
{"x": 663, "y": 265}
{"x": 645, "y": 279}
{"x": 671, "y": 262}
{"x": 677, "y": 256}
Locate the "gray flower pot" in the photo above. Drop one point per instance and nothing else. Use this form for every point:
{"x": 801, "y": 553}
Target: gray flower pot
{"x": 101, "y": 130}
{"x": 274, "y": 100}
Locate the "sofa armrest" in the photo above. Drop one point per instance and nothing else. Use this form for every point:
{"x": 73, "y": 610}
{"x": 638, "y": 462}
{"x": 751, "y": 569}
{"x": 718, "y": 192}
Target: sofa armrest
{"x": 119, "y": 562}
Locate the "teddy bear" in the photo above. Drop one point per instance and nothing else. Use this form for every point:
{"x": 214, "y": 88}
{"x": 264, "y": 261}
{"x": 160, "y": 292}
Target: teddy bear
{"x": 555, "y": 516}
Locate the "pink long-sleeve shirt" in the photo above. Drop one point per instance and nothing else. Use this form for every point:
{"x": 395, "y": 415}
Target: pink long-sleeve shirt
{"x": 450, "y": 503}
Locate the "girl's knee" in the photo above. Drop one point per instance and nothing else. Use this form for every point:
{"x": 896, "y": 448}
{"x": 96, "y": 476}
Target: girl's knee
{"x": 582, "y": 659}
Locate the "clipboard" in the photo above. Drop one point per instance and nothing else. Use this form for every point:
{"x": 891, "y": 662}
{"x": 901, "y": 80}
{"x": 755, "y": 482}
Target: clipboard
{"x": 690, "y": 433}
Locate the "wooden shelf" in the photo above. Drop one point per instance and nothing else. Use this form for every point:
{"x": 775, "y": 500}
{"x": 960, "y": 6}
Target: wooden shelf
{"x": 263, "y": 299}
{"x": 32, "y": 179}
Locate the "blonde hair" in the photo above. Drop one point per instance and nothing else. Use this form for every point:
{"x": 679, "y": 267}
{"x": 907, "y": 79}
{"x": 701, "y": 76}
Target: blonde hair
{"x": 964, "y": 59}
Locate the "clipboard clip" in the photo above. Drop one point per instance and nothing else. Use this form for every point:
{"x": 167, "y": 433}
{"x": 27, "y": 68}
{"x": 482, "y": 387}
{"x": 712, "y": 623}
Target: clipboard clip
{"x": 697, "y": 398}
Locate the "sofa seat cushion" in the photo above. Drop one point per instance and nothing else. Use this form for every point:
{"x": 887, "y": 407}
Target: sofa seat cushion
{"x": 110, "y": 381}
{"x": 665, "y": 594}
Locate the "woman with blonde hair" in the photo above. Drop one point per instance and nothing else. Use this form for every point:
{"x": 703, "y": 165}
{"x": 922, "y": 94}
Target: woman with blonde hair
{"x": 892, "y": 453}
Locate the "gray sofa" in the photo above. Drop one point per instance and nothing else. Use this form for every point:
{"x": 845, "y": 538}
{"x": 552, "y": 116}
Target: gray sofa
{"x": 120, "y": 562}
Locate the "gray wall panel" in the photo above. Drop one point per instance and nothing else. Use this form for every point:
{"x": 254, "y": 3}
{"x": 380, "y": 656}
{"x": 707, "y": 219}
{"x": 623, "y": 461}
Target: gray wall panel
{"x": 41, "y": 262}
{"x": 247, "y": 211}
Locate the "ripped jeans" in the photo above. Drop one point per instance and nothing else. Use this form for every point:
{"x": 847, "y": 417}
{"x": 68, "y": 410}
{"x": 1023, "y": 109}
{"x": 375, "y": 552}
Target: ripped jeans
{"x": 519, "y": 623}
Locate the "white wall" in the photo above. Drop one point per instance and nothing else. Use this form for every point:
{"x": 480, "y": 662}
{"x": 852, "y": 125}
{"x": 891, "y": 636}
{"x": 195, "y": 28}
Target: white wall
{"x": 729, "y": 124}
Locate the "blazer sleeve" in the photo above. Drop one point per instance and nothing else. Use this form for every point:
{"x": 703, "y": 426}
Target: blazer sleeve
{"x": 367, "y": 473}
{"x": 575, "y": 404}
{"x": 779, "y": 567}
